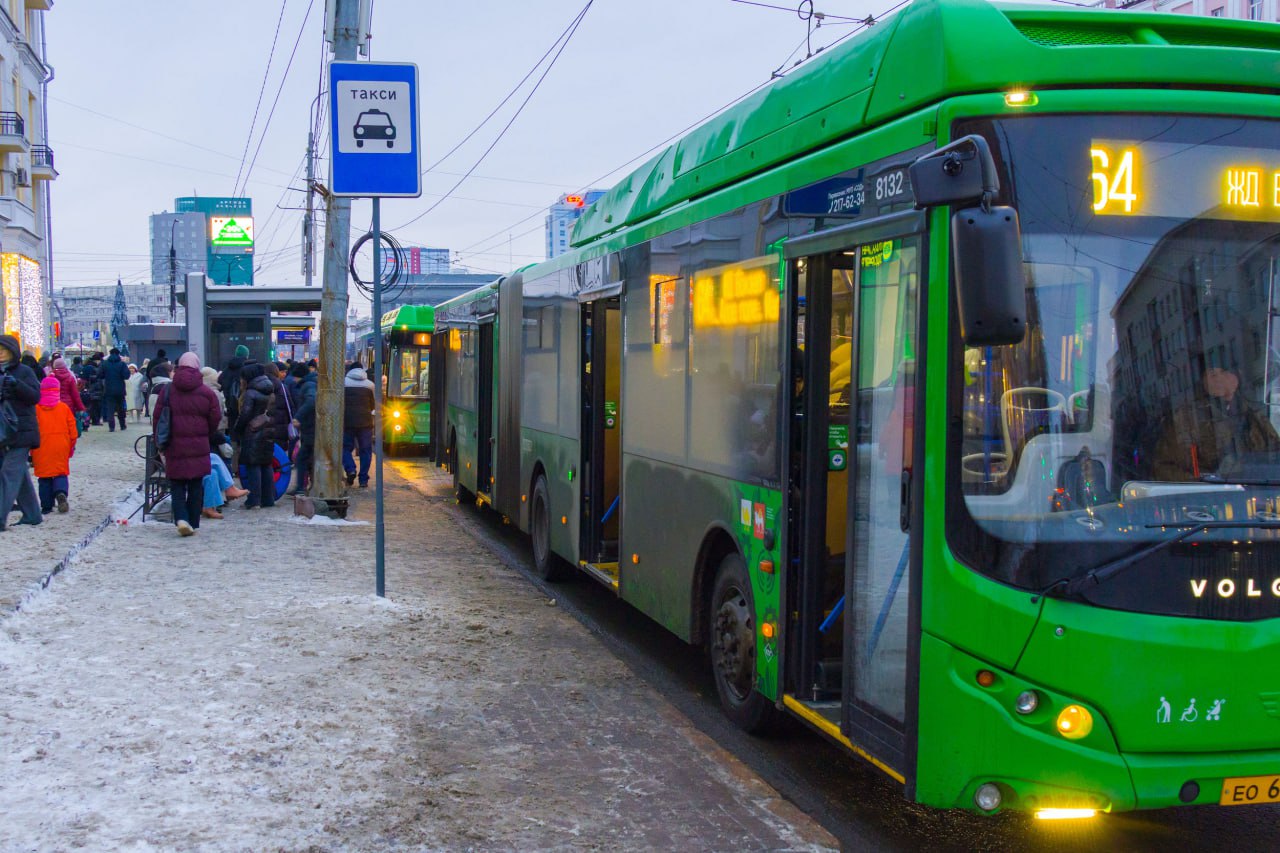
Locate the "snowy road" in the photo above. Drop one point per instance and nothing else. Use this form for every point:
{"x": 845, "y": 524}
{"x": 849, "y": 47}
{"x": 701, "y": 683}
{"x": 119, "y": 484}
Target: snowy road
{"x": 245, "y": 690}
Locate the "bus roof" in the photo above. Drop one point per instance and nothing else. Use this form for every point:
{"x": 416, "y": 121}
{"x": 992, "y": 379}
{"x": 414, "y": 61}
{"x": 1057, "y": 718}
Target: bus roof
{"x": 932, "y": 50}
{"x": 412, "y": 318}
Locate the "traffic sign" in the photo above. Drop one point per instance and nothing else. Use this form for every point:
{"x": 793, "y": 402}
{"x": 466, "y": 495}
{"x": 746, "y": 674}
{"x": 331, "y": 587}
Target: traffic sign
{"x": 374, "y": 130}
{"x": 96, "y": 334}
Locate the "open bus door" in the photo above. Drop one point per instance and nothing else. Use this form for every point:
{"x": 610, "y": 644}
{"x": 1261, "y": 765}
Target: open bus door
{"x": 485, "y": 439}
{"x": 601, "y": 437}
{"x": 853, "y": 640}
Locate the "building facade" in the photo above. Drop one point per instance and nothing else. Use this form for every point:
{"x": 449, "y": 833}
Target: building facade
{"x": 81, "y": 311}
{"x": 26, "y": 172}
{"x": 228, "y": 237}
{"x": 561, "y": 217}
{"x": 1243, "y": 10}
{"x": 186, "y": 235}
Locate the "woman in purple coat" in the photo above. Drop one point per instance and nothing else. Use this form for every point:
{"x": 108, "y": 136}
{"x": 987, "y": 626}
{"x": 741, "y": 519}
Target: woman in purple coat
{"x": 194, "y": 416}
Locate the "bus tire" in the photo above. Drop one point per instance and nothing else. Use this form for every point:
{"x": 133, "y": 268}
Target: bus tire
{"x": 546, "y": 564}
{"x": 732, "y": 646}
{"x": 462, "y": 492}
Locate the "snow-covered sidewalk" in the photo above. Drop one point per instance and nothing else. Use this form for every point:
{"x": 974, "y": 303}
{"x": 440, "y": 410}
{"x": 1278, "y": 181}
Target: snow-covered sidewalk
{"x": 243, "y": 689}
{"x": 105, "y": 469}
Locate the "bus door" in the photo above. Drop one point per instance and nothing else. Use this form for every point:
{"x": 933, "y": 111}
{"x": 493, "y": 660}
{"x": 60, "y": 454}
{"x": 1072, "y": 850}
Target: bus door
{"x": 436, "y": 388}
{"x": 601, "y": 437}
{"x": 484, "y": 413}
{"x": 854, "y": 341}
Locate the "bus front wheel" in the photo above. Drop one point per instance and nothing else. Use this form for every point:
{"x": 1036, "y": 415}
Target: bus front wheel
{"x": 547, "y": 565}
{"x": 733, "y": 649}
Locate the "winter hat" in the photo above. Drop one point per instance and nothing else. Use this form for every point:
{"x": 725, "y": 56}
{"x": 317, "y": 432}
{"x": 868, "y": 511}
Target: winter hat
{"x": 189, "y": 359}
{"x": 50, "y": 394}
{"x": 59, "y": 364}
{"x": 242, "y": 351}
{"x": 10, "y": 343}
{"x": 210, "y": 376}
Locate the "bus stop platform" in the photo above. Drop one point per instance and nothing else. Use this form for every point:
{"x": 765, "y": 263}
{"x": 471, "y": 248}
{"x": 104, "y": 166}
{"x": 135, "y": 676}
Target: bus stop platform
{"x": 245, "y": 689}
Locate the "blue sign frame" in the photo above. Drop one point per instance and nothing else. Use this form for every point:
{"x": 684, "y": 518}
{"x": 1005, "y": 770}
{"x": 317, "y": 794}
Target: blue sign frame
{"x": 374, "y": 172}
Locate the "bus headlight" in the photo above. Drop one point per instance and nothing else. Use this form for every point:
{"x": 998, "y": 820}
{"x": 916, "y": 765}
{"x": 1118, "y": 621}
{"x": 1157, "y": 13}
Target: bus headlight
{"x": 398, "y": 427}
{"x": 395, "y": 413}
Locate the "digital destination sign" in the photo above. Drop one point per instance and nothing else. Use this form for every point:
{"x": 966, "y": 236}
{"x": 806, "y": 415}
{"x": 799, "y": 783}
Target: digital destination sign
{"x": 1134, "y": 178}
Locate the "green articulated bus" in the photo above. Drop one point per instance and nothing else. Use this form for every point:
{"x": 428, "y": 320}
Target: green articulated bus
{"x": 934, "y": 389}
{"x": 406, "y": 378}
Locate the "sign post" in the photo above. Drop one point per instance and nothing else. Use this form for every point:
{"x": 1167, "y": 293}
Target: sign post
{"x": 375, "y": 154}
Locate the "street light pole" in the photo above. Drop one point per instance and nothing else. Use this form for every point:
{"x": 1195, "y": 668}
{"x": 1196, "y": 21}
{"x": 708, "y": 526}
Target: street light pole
{"x": 327, "y": 478}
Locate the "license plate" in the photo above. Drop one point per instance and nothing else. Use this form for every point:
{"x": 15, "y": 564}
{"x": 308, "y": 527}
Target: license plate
{"x": 1246, "y": 790}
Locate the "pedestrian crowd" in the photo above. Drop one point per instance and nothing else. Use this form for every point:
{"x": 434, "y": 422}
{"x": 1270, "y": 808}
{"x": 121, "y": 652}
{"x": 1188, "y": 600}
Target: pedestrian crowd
{"x": 251, "y": 418}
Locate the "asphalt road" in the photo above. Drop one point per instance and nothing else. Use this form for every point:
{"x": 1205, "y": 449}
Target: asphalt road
{"x": 852, "y": 800}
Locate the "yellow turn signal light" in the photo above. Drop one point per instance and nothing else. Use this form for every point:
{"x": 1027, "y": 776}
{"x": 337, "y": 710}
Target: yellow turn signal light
{"x": 767, "y": 630}
{"x": 1021, "y": 99}
{"x": 1074, "y": 722}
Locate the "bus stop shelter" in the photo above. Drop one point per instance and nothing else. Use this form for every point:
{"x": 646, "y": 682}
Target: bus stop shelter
{"x": 223, "y": 317}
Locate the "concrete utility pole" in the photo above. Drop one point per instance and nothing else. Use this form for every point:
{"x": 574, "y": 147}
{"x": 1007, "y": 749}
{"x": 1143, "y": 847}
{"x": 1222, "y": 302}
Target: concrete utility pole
{"x": 327, "y": 481}
{"x": 308, "y": 222}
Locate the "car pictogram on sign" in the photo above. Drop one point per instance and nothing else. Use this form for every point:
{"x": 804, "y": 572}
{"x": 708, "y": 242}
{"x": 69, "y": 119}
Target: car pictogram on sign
{"x": 374, "y": 125}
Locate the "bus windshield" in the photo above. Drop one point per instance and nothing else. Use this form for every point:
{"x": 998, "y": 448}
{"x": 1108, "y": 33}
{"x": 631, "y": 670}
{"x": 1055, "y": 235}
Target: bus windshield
{"x": 1145, "y": 397}
{"x": 410, "y": 372}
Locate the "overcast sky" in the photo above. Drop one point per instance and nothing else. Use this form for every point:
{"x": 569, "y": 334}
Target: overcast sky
{"x": 153, "y": 99}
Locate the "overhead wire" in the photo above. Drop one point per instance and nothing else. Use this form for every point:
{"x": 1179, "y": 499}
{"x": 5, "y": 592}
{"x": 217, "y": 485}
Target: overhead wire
{"x": 266, "y": 126}
{"x": 261, "y": 91}
{"x": 858, "y": 25}
{"x": 566, "y": 37}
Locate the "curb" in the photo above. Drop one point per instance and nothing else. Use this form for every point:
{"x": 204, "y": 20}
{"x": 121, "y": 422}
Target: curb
{"x": 67, "y": 560}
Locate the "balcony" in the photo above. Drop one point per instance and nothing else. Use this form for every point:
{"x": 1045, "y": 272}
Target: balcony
{"x": 13, "y": 133}
{"x": 42, "y": 163}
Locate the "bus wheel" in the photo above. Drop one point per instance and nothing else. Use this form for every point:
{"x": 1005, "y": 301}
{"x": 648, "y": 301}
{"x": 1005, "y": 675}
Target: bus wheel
{"x": 463, "y": 493}
{"x": 547, "y": 565}
{"x": 733, "y": 649}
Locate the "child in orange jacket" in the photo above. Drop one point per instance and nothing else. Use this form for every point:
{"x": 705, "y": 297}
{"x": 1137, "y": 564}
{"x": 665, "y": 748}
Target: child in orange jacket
{"x": 52, "y": 459}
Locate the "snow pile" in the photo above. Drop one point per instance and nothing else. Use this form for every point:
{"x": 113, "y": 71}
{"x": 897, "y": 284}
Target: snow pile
{"x": 323, "y": 521}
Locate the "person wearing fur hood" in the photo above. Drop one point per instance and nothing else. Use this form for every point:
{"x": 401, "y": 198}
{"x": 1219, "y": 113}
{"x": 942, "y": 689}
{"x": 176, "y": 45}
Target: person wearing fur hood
{"x": 19, "y": 392}
{"x": 357, "y": 424}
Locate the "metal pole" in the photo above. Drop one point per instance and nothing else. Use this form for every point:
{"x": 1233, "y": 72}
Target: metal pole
{"x": 308, "y": 235}
{"x": 380, "y": 582}
{"x": 328, "y": 478}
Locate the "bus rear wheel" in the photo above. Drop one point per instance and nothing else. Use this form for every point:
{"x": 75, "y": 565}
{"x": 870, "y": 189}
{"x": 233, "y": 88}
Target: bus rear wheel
{"x": 733, "y": 649}
{"x": 545, "y": 563}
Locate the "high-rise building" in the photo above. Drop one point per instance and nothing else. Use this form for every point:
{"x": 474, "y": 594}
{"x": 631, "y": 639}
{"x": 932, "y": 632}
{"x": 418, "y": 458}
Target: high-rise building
{"x": 561, "y": 217}
{"x": 1241, "y": 10}
{"x": 26, "y": 173}
{"x": 179, "y": 245}
{"x": 228, "y": 236}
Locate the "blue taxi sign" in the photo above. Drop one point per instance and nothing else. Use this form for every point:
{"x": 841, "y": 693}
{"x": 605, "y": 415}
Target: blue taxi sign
{"x": 374, "y": 145}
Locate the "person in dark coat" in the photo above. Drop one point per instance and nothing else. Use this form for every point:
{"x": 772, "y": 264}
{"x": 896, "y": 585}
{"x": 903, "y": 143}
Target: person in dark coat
{"x": 282, "y": 418}
{"x": 115, "y": 373}
{"x": 357, "y": 424}
{"x": 77, "y": 366}
{"x": 254, "y": 431}
{"x": 229, "y": 382}
{"x": 20, "y": 389}
{"x": 154, "y": 363}
{"x": 304, "y": 418}
{"x": 91, "y": 388}
{"x": 194, "y": 416}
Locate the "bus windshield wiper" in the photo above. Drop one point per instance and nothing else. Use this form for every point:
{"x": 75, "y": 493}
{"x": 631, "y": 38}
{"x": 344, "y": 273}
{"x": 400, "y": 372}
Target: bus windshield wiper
{"x": 1218, "y": 479}
{"x": 1072, "y": 587}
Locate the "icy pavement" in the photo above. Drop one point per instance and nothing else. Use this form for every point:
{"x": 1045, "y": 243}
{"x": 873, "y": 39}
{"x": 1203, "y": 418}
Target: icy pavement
{"x": 105, "y": 469}
{"x": 243, "y": 689}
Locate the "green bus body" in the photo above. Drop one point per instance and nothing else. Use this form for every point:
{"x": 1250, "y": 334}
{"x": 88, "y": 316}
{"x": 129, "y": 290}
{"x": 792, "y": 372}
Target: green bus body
{"x": 406, "y": 398}
{"x": 751, "y": 357}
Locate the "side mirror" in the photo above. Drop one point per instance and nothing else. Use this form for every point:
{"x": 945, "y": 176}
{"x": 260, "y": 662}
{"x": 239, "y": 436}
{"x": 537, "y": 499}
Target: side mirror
{"x": 986, "y": 247}
{"x": 986, "y": 241}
